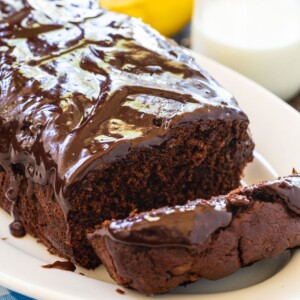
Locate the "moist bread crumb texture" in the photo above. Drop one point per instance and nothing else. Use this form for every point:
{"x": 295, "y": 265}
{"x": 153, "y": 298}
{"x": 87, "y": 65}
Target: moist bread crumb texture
{"x": 99, "y": 116}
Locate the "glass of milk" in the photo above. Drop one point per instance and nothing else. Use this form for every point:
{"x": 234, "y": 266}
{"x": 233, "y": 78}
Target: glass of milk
{"x": 258, "y": 38}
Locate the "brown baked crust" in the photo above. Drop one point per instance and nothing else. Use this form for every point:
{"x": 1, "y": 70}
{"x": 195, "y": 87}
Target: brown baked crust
{"x": 264, "y": 224}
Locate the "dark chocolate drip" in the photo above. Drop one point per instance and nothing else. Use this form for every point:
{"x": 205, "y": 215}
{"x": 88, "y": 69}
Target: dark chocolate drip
{"x": 183, "y": 226}
{"x": 29, "y": 191}
{"x": 80, "y": 87}
{"x": 61, "y": 265}
{"x": 16, "y": 227}
{"x": 32, "y": 32}
{"x": 13, "y": 188}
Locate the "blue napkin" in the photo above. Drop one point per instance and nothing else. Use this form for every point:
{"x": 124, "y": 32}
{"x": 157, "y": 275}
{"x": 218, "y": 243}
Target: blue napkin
{"x": 6, "y": 294}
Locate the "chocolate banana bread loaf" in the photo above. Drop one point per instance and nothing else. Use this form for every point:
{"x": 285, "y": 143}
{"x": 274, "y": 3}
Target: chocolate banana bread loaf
{"x": 155, "y": 251}
{"x": 100, "y": 115}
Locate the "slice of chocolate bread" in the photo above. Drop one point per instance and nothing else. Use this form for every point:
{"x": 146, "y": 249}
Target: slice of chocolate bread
{"x": 100, "y": 115}
{"x": 155, "y": 251}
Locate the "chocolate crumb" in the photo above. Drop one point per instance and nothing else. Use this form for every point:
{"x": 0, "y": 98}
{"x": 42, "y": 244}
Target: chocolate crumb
{"x": 120, "y": 291}
{"x": 81, "y": 274}
{"x": 4, "y": 238}
{"x": 62, "y": 265}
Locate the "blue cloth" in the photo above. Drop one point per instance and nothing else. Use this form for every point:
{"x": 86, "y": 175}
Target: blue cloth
{"x": 6, "y": 294}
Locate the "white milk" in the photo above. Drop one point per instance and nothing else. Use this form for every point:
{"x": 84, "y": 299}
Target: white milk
{"x": 259, "y": 38}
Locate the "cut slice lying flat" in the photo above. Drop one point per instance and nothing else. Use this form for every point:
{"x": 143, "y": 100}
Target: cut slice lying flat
{"x": 155, "y": 251}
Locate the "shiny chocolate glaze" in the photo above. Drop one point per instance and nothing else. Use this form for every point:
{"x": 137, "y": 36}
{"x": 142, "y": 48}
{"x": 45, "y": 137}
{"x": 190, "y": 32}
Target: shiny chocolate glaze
{"x": 287, "y": 188}
{"x": 17, "y": 229}
{"x": 80, "y": 87}
{"x": 186, "y": 225}
{"x": 193, "y": 223}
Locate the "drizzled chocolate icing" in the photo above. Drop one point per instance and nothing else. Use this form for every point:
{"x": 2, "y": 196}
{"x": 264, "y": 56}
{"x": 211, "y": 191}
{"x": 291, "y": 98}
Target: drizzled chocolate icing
{"x": 286, "y": 187}
{"x": 186, "y": 225}
{"x": 81, "y": 86}
{"x": 193, "y": 223}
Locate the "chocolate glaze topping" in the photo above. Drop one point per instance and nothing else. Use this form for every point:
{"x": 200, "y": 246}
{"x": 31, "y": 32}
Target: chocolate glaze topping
{"x": 287, "y": 187}
{"x": 81, "y": 86}
{"x": 193, "y": 223}
{"x": 186, "y": 225}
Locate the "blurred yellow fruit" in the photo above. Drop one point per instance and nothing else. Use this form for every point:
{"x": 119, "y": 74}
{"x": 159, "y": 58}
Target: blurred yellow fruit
{"x": 166, "y": 16}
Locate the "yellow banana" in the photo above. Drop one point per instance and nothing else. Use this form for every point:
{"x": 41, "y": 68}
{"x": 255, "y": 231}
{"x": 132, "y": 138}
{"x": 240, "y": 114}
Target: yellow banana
{"x": 166, "y": 16}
